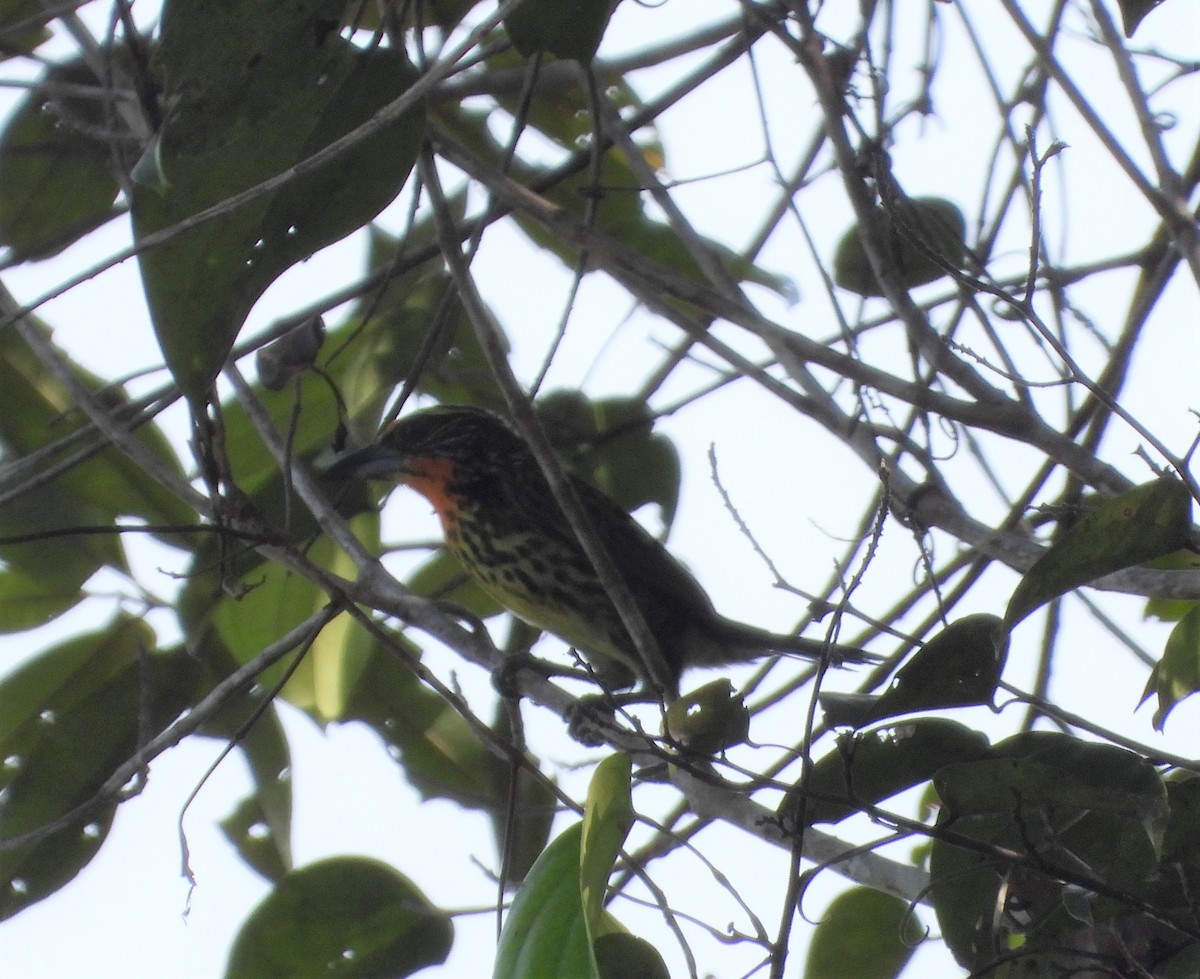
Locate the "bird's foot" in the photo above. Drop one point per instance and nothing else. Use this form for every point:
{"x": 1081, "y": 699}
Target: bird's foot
{"x": 505, "y": 675}
{"x": 590, "y": 718}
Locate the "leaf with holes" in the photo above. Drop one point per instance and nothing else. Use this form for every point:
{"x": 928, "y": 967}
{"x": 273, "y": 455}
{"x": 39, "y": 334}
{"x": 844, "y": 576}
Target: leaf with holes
{"x": 1146, "y": 522}
{"x": 257, "y": 94}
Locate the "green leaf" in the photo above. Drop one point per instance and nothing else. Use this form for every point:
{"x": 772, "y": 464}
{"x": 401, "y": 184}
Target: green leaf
{"x": 23, "y": 23}
{"x": 864, "y": 933}
{"x": 545, "y": 933}
{"x": 345, "y": 917}
{"x": 28, "y": 601}
{"x": 607, "y": 818}
{"x": 68, "y": 719}
{"x": 1181, "y": 841}
{"x": 710, "y": 719}
{"x": 273, "y": 602}
{"x": 562, "y": 113}
{"x": 1177, "y": 675}
{"x": 563, "y": 28}
{"x": 443, "y": 577}
{"x": 441, "y": 755}
{"x": 1108, "y": 848}
{"x": 959, "y": 667}
{"x": 34, "y": 406}
{"x": 1146, "y": 522}
{"x": 870, "y": 766}
{"x": 247, "y": 828}
{"x": 920, "y": 235}
{"x": 391, "y": 340}
{"x": 39, "y": 410}
{"x": 261, "y": 825}
{"x": 1053, "y": 769}
{"x": 965, "y": 884}
{"x": 56, "y": 173}
{"x": 444, "y": 13}
{"x": 621, "y": 212}
{"x": 620, "y": 955}
{"x": 267, "y": 601}
{"x": 611, "y": 443}
{"x": 1078, "y": 809}
{"x": 257, "y": 93}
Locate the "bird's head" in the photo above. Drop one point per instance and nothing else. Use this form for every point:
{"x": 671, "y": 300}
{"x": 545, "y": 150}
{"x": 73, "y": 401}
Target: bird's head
{"x": 449, "y": 443}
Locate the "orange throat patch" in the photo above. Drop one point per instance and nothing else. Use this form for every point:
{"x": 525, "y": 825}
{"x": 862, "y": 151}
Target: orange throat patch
{"x": 431, "y": 477}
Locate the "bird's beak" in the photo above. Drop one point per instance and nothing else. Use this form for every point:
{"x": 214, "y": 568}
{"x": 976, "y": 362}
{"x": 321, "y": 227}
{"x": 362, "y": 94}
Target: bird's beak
{"x": 373, "y": 462}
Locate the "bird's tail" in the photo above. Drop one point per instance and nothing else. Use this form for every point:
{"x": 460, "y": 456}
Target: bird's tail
{"x": 743, "y": 642}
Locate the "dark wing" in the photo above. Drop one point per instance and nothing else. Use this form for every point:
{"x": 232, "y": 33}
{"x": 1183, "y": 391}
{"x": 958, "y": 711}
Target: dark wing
{"x": 658, "y": 580}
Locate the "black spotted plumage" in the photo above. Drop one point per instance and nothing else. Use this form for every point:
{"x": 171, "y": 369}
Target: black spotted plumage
{"x": 501, "y": 518}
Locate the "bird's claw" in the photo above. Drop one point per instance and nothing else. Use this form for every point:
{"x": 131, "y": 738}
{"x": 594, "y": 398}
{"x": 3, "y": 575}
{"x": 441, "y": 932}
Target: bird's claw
{"x": 589, "y": 718}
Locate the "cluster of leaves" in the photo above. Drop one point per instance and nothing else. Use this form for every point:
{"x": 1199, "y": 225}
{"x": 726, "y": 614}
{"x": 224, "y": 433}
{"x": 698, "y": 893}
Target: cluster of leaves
{"x": 1045, "y": 849}
{"x": 249, "y": 97}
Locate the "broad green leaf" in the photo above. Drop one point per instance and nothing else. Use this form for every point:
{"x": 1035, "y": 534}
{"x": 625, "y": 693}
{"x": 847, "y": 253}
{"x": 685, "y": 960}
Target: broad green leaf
{"x": 621, "y": 211}
{"x": 440, "y": 754}
{"x": 28, "y": 601}
{"x": 261, "y": 825}
{"x": 1109, "y": 848}
{"x": 1146, "y": 522}
{"x": 266, "y": 602}
{"x": 60, "y": 559}
{"x": 545, "y": 933}
{"x": 562, "y": 113}
{"x": 345, "y": 917}
{"x": 1180, "y": 862}
{"x": 39, "y": 410}
{"x": 864, "y": 933}
{"x": 273, "y": 601}
{"x": 710, "y": 719}
{"x": 415, "y": 322}
{"x": 375, "y": 16}
{"x": 68, "y": 719}
{"x": 257, "y": 93}
{"x": 1181, "y": 841}
{"x": 611, "y": 443}
{"x": 36, "y": 412}
{"x": 563, "y": 28}
{"x": 56, "y": 172}
{"x": 959, "y": 667}
{"x": 308, "y": 412}
{"x": 1046, "y": 768}
{"x": 921, "y": 236}
{"x": 620, "y": 955}
{"x": 267, "y": 844}
{"x": 1079, "y": 809}
{"x": 23, "y": 23}
{"x": 869, "y": 767}
{"x": 444, "y": 578}
{"x": 1177, "y": 675}
{"x": 965, "y": 884}
{"x": 248, "y": 830}
{"x": 607, "y": 818}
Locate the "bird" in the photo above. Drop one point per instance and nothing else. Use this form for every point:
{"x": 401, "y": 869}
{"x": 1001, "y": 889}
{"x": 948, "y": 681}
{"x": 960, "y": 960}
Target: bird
{"x": 501, "y": 518}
